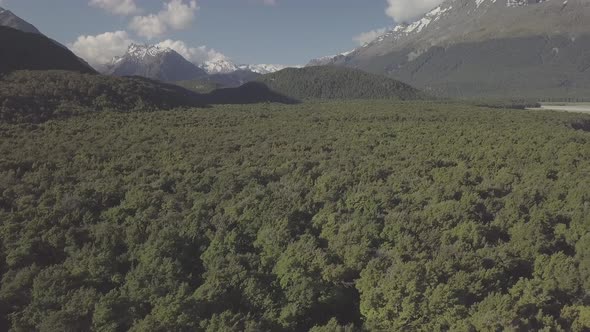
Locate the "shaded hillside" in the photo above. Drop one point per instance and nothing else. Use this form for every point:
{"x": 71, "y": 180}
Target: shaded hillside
{"x": 35, "y": 96}
{"x": 39, "y": 95}
{"x": 249, "y": 93}
{"x": 233, "y": 79}
{"x": 31, "y": 51}
{"x": 330, "y": 82}
{"x": 154, "y": 62}
{"x": 199, "y": 85}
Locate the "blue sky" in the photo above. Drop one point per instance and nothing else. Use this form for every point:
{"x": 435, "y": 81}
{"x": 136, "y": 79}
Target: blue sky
{"x": 248, "y": 31}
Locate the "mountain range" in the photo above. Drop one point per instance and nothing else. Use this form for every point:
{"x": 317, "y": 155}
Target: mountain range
{"x": 165, "y": 64}
{"x": 474, "y": 48}
{"x": 154, "y": 62}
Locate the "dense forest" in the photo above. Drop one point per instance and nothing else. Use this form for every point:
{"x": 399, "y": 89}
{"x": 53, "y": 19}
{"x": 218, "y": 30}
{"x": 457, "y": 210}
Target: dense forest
{"x": 332, "y": 216}
{"x": 35, "y": 96}
{"x": 30, "y": 96}
{"x": 330, "y": 82}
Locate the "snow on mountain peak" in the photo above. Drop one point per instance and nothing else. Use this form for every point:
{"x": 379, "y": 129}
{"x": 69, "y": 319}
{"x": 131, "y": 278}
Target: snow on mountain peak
{"x": 224, "y": 65}
{"x": 262, "y": 68}
{"x": 141, "y": 51}
{"x": 218, "y": 66}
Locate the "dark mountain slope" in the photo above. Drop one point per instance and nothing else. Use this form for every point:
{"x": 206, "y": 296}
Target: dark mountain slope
{"x": 249, "y": 93}
{"x": 29, "y": 51}
{"x": 330, "y": 82}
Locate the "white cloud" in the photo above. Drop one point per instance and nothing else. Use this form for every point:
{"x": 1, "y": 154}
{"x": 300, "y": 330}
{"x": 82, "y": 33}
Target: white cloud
{"x": 196, "y": 55}
{"x": 408, "y": 10}
{"x": 269, "y": 2}
{"x": 367, "y": 37}
{"x": 175, "y": 15}
{"x": 100, "y": 49}
{"x": 118, "y": 7}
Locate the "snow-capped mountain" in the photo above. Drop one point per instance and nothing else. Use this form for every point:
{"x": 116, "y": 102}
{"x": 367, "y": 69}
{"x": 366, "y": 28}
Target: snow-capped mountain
{"x": 8, "y": 19}
{"x": 154, "y": 62}
{"x": 326, "y": 60}
{"x": 226, "y": 66}
{"x": 165, "y": 64}
{"x": 486, "y": 47}
{"x": 219, "y": 66}
{"x": 262, "y": 69}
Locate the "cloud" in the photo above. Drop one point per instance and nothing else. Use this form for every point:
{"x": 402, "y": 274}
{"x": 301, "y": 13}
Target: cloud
{"x": 196, "y": 55}
{"x": 175, "y": 15}
{"x": 100, "y": 49}
{"x": 269, "y": 2}
{"x": 408, "y": 10}
{"x": 118, "y": 7}
{"x": 367, "y": 37}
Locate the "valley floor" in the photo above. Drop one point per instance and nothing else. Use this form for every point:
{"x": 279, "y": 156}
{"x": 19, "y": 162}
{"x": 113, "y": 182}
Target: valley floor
{"x": 330, "y": 216}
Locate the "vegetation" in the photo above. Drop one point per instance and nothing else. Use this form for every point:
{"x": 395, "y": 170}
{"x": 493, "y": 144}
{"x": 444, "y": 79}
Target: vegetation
{"x": 330, "y": 82}
{"x": 36, "y": 96}
{"x": 23, "y": 50}
{"x": 333, "y": 216}
{"x": 199, "y": 86}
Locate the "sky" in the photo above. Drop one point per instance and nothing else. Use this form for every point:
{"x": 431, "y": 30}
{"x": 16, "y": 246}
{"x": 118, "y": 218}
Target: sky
{"x": 288, "y": 32}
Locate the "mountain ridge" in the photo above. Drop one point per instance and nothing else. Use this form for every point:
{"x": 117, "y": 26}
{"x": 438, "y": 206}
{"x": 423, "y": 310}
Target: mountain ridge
{"x": 9, "y": 19}
{"x": 154, "y": 62}
{"x": 331, "y": 82}
{"x": 508, "y": 29}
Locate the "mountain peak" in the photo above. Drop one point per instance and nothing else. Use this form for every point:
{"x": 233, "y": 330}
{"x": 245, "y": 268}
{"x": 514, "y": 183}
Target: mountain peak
{"x": 9, "y": 19}
{"x": 140, "y": 51}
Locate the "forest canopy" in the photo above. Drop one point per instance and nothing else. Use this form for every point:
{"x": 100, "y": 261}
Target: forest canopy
{"x": 339, "y": 216}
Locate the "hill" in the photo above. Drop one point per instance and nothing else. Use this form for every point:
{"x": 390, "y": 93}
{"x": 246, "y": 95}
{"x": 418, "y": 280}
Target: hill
{"x": 32, "y": 51}
{"x": 487, "y": 48}
{"x": 38, "y": 95}
{"x": 199, "y": 85}
{"x": 248, "y": 93}
{"x": 330, "y": 82}
{"x": 233, "y": 79}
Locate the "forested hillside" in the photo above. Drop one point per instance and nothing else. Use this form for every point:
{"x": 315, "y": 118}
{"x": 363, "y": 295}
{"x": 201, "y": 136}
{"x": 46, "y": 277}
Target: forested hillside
{"x": 336, "y": 216}
{"x": 329, "y": 82}
{"x": 36, "y": 96}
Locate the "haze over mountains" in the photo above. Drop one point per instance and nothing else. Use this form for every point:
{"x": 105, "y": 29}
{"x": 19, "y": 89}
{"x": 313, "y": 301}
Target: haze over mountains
{"x": 466, "y": 48}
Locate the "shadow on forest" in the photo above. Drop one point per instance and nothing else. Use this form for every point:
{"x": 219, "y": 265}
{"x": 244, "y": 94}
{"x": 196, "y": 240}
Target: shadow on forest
{"x": 249, "y": 93}
{"x": 37, "y": 96}
{"x": 583, "y": 125}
